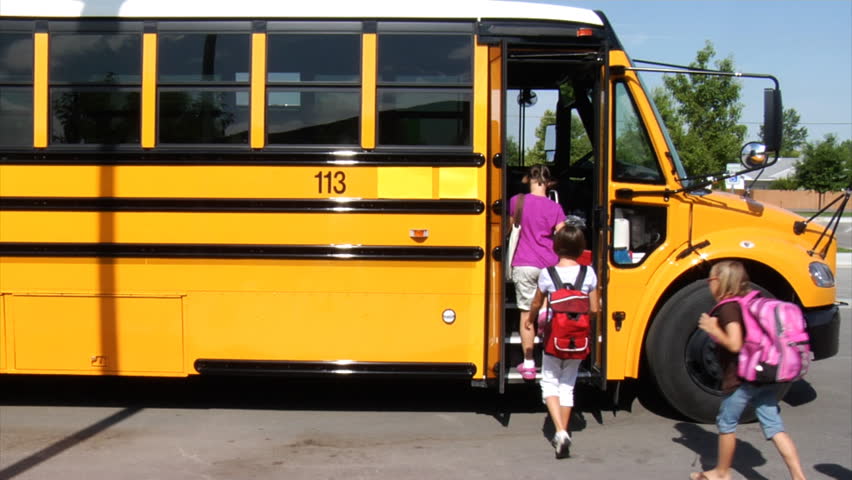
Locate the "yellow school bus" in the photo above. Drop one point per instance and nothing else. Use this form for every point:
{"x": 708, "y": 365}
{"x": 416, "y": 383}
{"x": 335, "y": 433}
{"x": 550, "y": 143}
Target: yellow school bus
{"x": 320, "y": 188}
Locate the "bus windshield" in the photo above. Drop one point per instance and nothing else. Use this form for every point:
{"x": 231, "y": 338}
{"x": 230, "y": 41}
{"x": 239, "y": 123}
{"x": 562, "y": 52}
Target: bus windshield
{"x": 673, "y": 156}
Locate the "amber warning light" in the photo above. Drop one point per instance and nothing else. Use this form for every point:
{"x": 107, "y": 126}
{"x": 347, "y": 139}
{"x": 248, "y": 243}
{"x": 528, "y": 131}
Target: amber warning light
{"x": 418, "y": 234}
{"x": 584, "y": 32}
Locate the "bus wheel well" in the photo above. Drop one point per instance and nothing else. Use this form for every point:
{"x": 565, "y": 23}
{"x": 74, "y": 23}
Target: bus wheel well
{"x": 759, "y": 273}
{"x": 769, "y": 279}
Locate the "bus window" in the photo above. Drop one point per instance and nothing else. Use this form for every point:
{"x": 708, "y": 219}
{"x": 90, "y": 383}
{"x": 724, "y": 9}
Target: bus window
{"x": 202, "y": 77}
{"x": 95, "y": 84}
{"x": 425, "y": 89}
{"x": 634, "y": 158}
{"x": 16, "y": 93}
{"x": 313, "y": 94}
{"x": 637, "y": 231}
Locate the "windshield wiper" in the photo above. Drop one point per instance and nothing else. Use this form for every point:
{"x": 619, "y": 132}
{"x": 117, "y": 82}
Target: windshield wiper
{"x": 800, "y": 226}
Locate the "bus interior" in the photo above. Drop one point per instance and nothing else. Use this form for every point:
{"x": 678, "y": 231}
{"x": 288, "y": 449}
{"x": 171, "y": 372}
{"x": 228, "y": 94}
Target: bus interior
{"x": 560, "y": 84}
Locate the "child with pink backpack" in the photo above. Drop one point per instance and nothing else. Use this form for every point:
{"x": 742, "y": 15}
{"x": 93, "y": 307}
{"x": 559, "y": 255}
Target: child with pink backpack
{"x": 729, "y": 285}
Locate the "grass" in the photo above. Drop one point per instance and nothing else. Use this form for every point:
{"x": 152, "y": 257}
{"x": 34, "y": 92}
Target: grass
{"x": 844, "y": 250}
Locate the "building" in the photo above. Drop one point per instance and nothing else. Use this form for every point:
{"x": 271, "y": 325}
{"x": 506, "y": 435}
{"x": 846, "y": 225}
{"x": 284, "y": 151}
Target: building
{"x": 785, "y": 167}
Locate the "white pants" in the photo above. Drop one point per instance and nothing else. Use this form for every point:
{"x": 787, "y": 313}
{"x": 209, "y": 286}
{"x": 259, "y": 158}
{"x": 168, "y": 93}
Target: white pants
{"x": 558, "y": 378}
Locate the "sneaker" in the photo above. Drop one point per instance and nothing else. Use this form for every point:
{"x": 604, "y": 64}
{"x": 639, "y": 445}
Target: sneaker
{"x": 562, "y": 444}
{"x": 526, "y": 373}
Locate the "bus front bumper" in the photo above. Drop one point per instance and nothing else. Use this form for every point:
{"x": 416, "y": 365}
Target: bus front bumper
{"x": 823, "y": 330}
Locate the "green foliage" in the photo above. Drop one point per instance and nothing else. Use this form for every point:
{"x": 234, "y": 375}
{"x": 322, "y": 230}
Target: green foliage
{"x": 512, "y": 152}
{"x": 794, "y": 137}
{"x": 826, "y": 165}
{"x": 632, "y": 146}
{"x": 784, "y": 184}
{"x": 580, "y": 143}
{"x": 702, "y": 113}
{"x": 667, "y": 106}
{"x": 536, "y": 155}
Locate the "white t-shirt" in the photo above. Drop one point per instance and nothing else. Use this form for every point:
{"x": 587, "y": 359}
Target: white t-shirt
{"x": 567, "y": 275}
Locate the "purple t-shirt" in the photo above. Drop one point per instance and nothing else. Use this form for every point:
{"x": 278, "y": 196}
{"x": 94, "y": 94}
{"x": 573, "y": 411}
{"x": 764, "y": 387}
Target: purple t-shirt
{"x": 535, "y": 245}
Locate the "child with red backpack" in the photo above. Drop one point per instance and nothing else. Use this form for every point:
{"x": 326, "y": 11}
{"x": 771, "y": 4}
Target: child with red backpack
{"x": 728, "y": 283}
{"x": 564, "y": 351}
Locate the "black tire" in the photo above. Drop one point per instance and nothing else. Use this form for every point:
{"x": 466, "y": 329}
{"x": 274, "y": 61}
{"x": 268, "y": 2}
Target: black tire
{"x": 682, "y": 359}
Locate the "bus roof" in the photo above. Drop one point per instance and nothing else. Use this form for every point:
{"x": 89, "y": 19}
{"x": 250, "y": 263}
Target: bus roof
{"x": 320, "y": 9}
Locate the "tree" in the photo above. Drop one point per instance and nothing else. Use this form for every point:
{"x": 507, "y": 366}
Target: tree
{"x": 536, "y": 154}
{"x": 667, "y": 106}
{"x": 784, "y": 184}
{"x": 794, "y": 137}
{"x": 702, "y": 113}
{"x": 511, "y": 152}
{"x": 581, "y": 145}
{"x": 826, "y": 165}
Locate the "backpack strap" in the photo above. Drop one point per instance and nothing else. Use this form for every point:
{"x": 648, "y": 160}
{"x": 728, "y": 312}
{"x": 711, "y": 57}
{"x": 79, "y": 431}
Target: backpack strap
{"x": 578, "y": 282}
{"x": 557, "y": 282}
{"x": 742, "y": 301}
{"x": 519, "y": 211}
{"x": 554, "y": 277}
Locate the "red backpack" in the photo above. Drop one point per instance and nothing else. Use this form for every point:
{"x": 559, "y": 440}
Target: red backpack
{"x": 570, "y": 327}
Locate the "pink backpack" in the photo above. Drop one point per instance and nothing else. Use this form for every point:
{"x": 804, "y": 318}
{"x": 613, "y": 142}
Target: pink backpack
{"x": 776, "y": 346}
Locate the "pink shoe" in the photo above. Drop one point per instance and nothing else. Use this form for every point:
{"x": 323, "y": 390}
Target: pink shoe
{"x": 526, "y": 373}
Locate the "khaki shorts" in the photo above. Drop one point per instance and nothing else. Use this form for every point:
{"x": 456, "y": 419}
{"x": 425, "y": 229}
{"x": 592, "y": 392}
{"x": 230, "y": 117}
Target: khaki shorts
{"x": 526, "y": 283}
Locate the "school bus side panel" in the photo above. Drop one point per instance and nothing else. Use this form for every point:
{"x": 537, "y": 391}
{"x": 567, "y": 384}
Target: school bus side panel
{"x": 297, "y": 306}
{"x": 233, "y": 309}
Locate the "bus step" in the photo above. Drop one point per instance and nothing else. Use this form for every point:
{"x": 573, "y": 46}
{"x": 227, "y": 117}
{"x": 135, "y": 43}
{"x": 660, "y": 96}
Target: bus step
{"x": 514, "y": 377}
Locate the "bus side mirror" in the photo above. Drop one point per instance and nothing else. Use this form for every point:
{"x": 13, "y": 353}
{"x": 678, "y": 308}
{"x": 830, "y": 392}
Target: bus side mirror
{"x": 550, "y": 143}
{"x": 753, "y": 155}
{"x": 773, "y": 119}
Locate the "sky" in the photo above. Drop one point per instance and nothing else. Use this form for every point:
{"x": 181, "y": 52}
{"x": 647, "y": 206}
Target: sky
{"x": 806, "y": 44}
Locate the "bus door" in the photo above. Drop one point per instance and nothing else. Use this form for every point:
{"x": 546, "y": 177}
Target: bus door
{"x": 552, "y": 113}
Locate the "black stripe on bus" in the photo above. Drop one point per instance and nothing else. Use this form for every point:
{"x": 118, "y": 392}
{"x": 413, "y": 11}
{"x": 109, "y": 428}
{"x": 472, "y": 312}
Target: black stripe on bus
{"x": 167, "y": 156}
{"x": 297, "y": 368}
{"x": 231, "y": 251}
{"x": 242, "y": 205}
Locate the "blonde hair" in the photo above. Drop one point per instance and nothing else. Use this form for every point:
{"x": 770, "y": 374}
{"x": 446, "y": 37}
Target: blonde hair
{"x": 733, "y": 279}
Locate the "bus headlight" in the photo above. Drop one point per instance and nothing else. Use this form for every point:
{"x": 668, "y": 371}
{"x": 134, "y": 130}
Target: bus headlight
{"x": 821, "y": 274}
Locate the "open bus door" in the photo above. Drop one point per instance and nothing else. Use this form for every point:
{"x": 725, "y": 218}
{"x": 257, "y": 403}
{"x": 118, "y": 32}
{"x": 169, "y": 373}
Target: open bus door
{"x": 558, "y": 88}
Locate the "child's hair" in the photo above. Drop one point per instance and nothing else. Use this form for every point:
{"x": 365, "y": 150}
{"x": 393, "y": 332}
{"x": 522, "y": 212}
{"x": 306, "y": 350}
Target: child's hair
{"x": 732, "y": 277}
{"x": 539, "y": 174}
{"x": 569, "y": 241}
